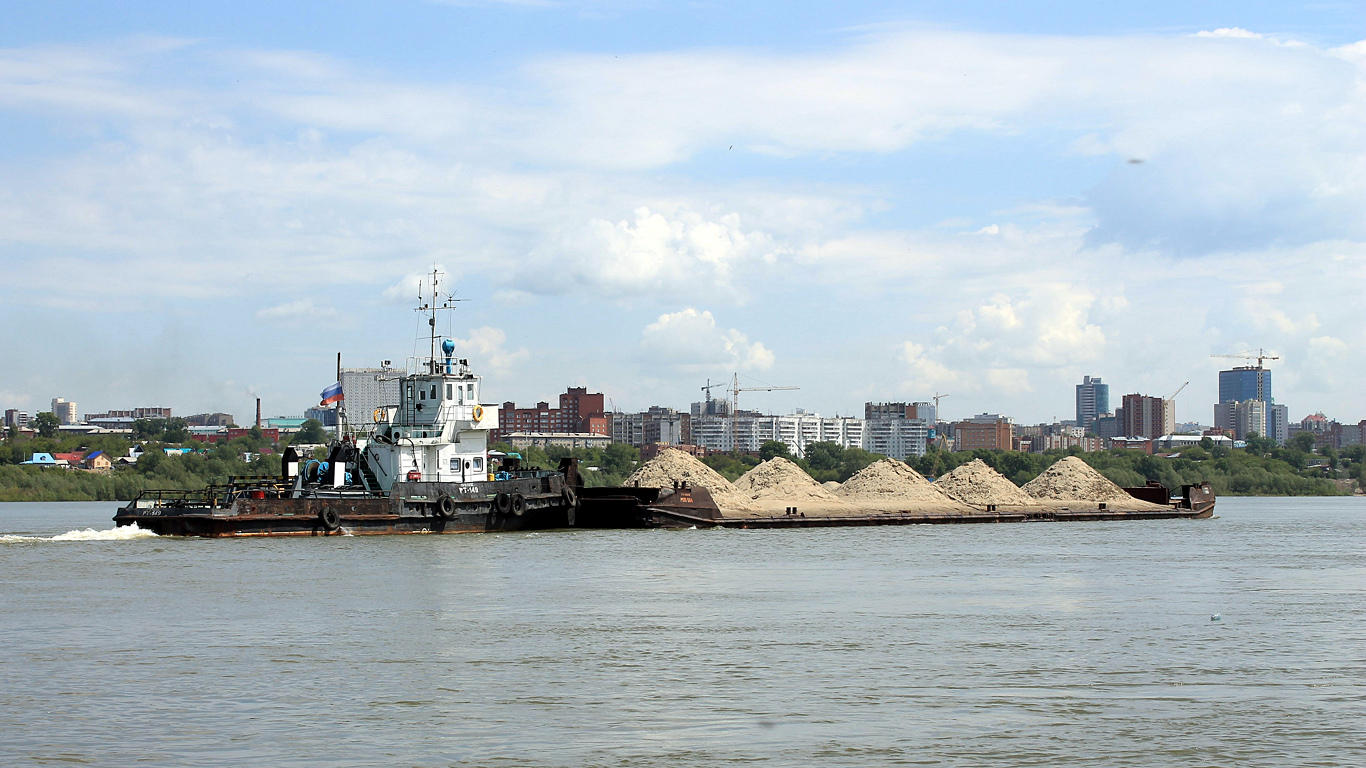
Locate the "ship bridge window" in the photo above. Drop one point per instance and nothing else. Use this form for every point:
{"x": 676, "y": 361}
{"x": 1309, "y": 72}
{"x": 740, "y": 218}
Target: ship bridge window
{"x": 478, "y": 463}
{"x": 455, "y": 463}
{"x": 433, "y": 391}
{"x": 471, "y": 391}
{"x": 449, "y": 387}
{"x": 410, "y": 391}
{"x": 422, "y": 394}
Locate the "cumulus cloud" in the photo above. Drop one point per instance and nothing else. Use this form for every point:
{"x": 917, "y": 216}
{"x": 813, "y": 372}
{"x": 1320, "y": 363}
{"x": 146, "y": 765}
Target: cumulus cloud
{"x": 995, "y": 345}
{"x": 691, "y": 340}
{"x": 486, "y": 349}
{"x": 653, "y": 252}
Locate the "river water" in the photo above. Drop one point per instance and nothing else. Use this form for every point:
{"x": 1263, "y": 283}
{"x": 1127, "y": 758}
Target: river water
{"x": 1043, "y": 644}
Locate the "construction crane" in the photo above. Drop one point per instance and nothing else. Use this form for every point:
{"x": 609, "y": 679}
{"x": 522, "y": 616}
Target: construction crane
{"x": 1259, "y": 355}
{"x": 735, "y": 390}
{"x": 940, "y": 439}
{"x": 1173, "y": 395}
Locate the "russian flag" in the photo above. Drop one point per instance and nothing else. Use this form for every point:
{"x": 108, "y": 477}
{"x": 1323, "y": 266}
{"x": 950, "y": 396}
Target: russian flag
{"x": 332, "y": 394}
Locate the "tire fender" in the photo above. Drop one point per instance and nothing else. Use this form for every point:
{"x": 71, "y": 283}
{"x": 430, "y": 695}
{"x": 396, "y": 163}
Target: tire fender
{"x": 329, "y": 518}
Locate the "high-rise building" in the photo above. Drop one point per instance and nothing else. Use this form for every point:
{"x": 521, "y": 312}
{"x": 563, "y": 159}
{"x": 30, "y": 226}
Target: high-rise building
{"x": 923, "y": 411}
{"x": 16, "y": 418}
{"x": 897, "y": 430}
{"x": 1148, "y": 417}
{"x": 65, "y": 411}
{"x": 1278, "y": 423}
{"x": 366, "y": 390}
{"x": 1093, "y": 401}
{"x": 1249, "y": 418}
{"x": 1247, "y": 382}
{"x": 656, "y": 425}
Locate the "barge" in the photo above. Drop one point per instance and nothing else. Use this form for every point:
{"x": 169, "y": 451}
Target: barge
{"x": 684, "y": 506}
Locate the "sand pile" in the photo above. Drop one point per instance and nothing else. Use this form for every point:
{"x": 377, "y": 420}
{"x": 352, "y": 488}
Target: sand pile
{"x": 830, "y": 485}
{"x": 672, "y": 466}
{"x": 892, "y": 481}
{"x": 1071, "y": 479}
{"x": 977, "y": 484}
{"x": 780, "y": 480}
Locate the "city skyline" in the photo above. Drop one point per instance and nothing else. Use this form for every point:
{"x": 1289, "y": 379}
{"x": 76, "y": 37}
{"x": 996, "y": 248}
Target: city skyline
{"x": 870, "y": 202}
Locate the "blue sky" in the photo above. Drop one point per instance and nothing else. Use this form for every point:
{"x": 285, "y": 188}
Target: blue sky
{"x": 204, "y": 203}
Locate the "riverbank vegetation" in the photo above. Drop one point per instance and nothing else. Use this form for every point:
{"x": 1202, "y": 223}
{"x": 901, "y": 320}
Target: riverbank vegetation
{"x": 154, "y": 469}
{"x": 1260, "y": 469}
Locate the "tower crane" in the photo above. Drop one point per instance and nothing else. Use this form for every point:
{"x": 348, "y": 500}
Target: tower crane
{"x": 1259, "y": 355}
{"x": 735, "y": 390}
{"x": 940, "y": 439}
{"x": 1173, "y": 395}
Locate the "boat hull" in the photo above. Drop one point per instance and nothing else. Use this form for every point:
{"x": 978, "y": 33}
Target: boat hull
{"x": 410, "y": 508}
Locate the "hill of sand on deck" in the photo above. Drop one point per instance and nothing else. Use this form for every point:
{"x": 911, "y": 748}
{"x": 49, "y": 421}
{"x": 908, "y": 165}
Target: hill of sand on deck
{"x": 672, "y": 466}
{"x": 1071, "y": 479}
{"x": 891, "y": 484}
{"x": 978, "y": 484}
{"x": 777, "y": 484}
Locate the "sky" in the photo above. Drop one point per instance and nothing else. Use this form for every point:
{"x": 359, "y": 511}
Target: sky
{"x": 204, "y": 203}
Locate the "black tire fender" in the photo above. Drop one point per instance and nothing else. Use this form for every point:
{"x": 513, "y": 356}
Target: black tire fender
{"x": 518, "y": 504}
{"x": 329, "y": 518}
{"x": 502, "y": 503}
{"x": 445, "y": 507}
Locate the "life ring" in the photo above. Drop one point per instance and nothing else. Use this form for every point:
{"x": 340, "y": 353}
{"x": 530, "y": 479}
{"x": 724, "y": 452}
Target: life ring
{"x": 478, "y": 413}
{"x": 379, "y": 414}
{"x": 518, "y": 504}
{"x": 571, "y": 499}
{"x": 445, "y": 507}
{"x": 329, "y": 518}
{"x": 502, "y": 503}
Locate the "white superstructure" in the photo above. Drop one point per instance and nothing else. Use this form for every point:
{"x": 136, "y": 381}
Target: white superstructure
{"x": 438, "y": 432}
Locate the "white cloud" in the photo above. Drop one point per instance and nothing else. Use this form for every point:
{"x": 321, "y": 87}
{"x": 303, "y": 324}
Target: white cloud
{"x": 1237, "y": 32}
{"x": 994, "y": 346}
{"x": 298, "y": 311}
{"x": 691, "y": 340}
{"x": 654, "y": 252}
{"x": 485, "y": 348}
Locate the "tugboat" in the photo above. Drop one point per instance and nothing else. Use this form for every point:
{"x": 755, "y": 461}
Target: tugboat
{"x": 423, "y": 468}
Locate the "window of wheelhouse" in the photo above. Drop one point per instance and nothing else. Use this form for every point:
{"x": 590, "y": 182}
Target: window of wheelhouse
{"x": 449, "y": 387}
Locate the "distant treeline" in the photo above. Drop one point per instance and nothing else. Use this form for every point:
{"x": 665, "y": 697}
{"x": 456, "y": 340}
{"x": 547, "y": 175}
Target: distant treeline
{"x": 155, "y": 469}
{"x": 1262, "y": 469}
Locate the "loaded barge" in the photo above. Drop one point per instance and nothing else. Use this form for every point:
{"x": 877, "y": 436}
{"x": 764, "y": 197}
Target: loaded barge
{"x": 685, "y": 506}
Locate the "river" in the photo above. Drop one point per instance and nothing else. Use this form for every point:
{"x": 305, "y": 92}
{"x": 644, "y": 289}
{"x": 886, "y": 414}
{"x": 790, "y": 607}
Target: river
{"x": 1234, "y": 641}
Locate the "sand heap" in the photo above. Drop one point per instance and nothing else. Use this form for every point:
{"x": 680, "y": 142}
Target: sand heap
{"x": 1071, "y": 479}
{"x": 780, "y": 480}
{"x": 889, "y": 480}
{"x": 672, "y": 466}
{"x": 830, "y": 485}
{"x": 977, "y": 484}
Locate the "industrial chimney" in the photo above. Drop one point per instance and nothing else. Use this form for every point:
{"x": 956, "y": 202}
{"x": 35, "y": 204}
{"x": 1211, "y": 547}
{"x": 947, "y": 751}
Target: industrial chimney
{"x": 258, "y": 413}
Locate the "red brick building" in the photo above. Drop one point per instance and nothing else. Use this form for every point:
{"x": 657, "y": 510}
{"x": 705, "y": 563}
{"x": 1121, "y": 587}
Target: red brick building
{"x": 985, "y": 431}
{"x": 579, "y": 411}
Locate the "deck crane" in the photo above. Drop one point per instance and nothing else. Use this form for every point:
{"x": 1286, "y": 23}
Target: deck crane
{"x": 735, "y": 390}
{"x": 1259, "y": 355}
